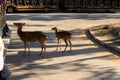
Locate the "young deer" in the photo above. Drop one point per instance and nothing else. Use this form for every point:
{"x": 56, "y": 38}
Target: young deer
{"x": 31, "y": 37}
{"x": 64, "y": 35}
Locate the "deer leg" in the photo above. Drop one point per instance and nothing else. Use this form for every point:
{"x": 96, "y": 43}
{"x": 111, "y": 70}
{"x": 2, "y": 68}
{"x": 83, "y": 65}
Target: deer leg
{"x": 28, "y": 48}
{"x": 44, "y": 47}
{"x": 66, "y": 45}
{"x": 41, "y": 51}
{"x": 44, "y": 40}
{"x": 41, "y": 48}
{"x": 24, "y": 48}
{"x": 70, "y": 45}
{"x": 58, "y": 44}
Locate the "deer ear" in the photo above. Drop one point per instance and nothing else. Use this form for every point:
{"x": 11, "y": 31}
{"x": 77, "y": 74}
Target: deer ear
{"x": 23, "y": 23}
{"x": 55, "y": 27}
{"x": 14, "y": 23}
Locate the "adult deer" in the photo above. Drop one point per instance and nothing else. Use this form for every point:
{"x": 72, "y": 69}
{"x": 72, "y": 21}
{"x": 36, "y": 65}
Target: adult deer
{"x": 31, "y": 37}
{"x": 64, "y": 35}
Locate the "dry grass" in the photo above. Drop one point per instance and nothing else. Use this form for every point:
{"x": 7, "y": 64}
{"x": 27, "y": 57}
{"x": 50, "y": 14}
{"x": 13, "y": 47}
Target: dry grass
{"x": 111, "y": 32}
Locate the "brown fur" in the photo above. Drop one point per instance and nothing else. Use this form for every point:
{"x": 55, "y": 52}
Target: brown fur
{"x": 31, "y": 37}
{"x": 64, "y": 35}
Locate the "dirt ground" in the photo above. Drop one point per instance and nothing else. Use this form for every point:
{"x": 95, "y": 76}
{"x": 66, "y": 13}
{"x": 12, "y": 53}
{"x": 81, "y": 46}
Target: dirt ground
{"x": 87, "y": 61}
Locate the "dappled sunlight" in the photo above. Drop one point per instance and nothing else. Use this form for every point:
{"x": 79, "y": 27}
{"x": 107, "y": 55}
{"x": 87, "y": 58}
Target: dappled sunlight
{"x": 86, "y": 61}
{"x": 71, "y": 65}
{"x": 63, "y": 20}
{"x": 61, "y": 16}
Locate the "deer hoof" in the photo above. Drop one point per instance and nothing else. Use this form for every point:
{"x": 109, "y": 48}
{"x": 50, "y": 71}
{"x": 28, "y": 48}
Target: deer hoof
{"x": 23, "y": 55}
{"x": 28, "y": 55}
{"x": 42, "y": 56}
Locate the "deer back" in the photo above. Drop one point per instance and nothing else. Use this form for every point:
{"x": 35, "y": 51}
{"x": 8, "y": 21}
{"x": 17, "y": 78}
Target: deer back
{"x": 63, "y": 34}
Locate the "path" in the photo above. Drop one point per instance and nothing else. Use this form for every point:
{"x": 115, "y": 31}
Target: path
{"x": 86, "y": 61}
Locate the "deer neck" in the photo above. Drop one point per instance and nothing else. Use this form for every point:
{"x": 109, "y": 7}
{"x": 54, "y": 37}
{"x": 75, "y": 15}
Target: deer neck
{"x": 56, "y": 31}
{"x": 19, "y": 29}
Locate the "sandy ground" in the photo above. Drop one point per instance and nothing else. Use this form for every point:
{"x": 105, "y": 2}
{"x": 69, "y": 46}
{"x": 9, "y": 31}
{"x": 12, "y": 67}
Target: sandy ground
{"x": 86, "y": 61}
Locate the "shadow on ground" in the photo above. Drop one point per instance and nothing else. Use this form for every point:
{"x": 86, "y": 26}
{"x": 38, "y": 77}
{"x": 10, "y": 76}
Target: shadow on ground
{"x": 60, "y": 16}
{"x": 26, "y": 63}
